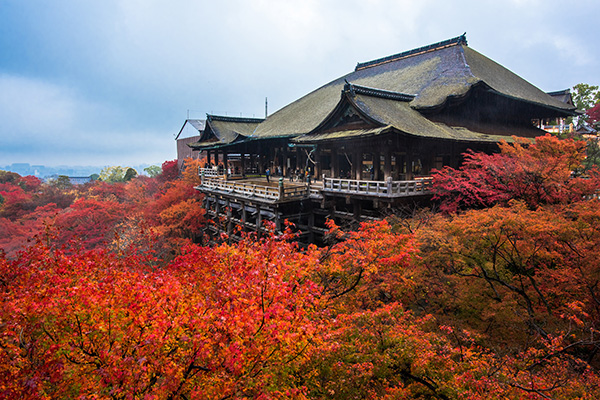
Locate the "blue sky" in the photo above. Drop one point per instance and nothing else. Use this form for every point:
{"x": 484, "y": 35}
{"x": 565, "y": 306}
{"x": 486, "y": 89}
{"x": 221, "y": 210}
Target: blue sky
{"x": 110, "y": 82}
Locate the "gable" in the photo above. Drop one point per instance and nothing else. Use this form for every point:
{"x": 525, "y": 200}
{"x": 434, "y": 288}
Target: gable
{"x": 345, "y": 117}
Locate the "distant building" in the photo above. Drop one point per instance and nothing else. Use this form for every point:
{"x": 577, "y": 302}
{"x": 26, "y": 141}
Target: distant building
{"x": 558, "y": 125}
{"x": 189, "y": 133}
{"x": 75, "y": 180}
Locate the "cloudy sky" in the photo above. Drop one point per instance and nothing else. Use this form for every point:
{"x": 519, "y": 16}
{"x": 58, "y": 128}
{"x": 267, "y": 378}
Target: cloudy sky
{"x": 110, "y": 82}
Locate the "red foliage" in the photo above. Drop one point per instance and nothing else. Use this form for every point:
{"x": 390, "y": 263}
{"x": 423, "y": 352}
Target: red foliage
{"x": 170, "y": 171}
{"x": 218, "y": 322}
{"x": 91, "y": 222}
{"x": 494, "y": 303}
{"x": 540, "y": 173}
{"x": 594, "y": 113}
{"x": 15, "y": 200}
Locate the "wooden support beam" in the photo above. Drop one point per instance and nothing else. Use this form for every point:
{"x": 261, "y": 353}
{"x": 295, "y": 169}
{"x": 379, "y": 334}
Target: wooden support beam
{"x": 258, "y": 220}
{"x": 335, "y": 163}
{"x": 387, "y": 168}
{"x": 229, "y": 222}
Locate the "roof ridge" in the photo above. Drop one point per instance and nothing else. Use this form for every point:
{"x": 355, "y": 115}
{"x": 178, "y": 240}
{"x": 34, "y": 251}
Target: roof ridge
{"x": 425, "y": 49}
{"x": 232, "y": 119}
{"x": 382, "y": 93}
{"x": 558, "y": 92}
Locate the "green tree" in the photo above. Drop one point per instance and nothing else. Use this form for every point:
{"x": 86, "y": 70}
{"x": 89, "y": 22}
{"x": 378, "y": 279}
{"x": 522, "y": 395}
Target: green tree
{"x": 113, "y": 174}
{"x": 585, "y": 97}
{"x": 62, "y": 182}
{"x": 153, "y": 171}
{"x": 130, "y": 174}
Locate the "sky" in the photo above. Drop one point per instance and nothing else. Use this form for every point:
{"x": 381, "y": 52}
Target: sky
{"x": 111, "y": 82}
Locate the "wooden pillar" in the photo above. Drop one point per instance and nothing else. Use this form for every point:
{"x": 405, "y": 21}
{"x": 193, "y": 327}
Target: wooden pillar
{"x": 258, "y": 220}
{"x": 376, "y": 159}
{"x": 243, "y": 163}
{"x": 208, "y": 156}
{"x": 357, "y": 209}
{"x": 225, "y": 160}
{"x": 311, "y": 225}
{"x": 229, "y": 222}
{"x": 217, "y": 219}
{"x": 277, "y": 222}
{"x": 335, "y": 164}
{"x": 286, "y": 161}
{"x": 318, "y": 165}
{"x": 357, "y": 164}
{"x": 387, "y": 168}
{"x": 409, "y": 161}
{"x": 299, "y": 164}
{"x": 244, "y": 215}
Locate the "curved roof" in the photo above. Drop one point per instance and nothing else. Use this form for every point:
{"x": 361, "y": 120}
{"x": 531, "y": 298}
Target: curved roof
{"x": 220, "y": 130}
{"x": 433, "y": 74}
{"x": 391, "y": 112}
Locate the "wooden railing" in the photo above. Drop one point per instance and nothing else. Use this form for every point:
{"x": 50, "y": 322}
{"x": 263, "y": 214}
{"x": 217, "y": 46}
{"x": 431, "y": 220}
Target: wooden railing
{"x": 251, "y": 190}
{"x": 208, "y": 172}
{"x": 387, "y": 188}
{"x": 211, "y": 181}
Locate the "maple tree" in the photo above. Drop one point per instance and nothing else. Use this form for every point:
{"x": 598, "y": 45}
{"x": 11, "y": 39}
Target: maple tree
{"x": 594, "y": 114}
{"x": 115, "y": 298}
{"x": 226, "y": 321}
{"x": 545, "y": 172}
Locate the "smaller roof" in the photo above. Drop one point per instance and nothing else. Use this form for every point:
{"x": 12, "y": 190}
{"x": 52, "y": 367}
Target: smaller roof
{"x": 223, "y": 130}
{"x": 563, "y": 95}
{"x": 197, "y": 125}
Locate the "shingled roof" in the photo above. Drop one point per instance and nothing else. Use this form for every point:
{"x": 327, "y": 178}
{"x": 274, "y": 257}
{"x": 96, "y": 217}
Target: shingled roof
{"x": 222, "y": 130}
{"x": 431, "y": 75}
{"x": 388, "y": 111}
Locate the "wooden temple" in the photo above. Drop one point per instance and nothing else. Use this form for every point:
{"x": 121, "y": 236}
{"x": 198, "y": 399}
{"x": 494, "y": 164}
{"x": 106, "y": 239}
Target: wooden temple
{"x": 366, "y": 142}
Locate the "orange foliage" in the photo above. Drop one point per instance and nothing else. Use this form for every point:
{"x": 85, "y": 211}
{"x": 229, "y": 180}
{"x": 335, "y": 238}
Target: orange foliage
{"x": 112, "y": 299}
{"x": 545, "y": 172}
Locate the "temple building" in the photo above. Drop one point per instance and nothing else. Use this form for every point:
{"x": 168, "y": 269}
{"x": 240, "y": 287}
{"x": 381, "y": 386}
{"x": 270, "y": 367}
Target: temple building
{"x": 368, "y": 140}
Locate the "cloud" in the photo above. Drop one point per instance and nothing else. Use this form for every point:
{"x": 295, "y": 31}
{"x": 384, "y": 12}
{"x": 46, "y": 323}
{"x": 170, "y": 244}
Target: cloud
{"x": 121, "y": 74}
{"x": 51, "y": 123}
{"x": 29, "y": 108}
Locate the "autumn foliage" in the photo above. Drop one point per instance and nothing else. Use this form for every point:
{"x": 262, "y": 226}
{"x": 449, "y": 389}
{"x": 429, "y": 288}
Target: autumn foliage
{"x": 165, "y": 208}
{"x": 548, "y": 171}
{"x": 495, "y": 302}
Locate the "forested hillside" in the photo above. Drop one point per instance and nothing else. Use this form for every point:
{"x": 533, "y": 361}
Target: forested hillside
{"x": 108, "y": 292}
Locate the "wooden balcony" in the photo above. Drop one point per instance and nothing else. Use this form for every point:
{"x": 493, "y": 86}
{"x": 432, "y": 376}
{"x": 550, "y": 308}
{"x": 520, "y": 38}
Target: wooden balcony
{"x": 257, "y": 188}
{"x": 280, "y": 190}
{"x": 388, "y": 189}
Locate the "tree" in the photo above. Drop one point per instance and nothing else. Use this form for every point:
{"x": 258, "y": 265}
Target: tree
{"x": 585, "y": 97}
{"x": 129, "y": 174}
{"x": 545, "y": 172}
{"x": 170, "y": 171}
{"x": 512, "y": 272}
{"x": 594, "y": 114}
{"x": 218, "y": 322}
{"x": 61, "y": 182}
{"x": 112, "y": 174}
{"x": 153, "y": 171}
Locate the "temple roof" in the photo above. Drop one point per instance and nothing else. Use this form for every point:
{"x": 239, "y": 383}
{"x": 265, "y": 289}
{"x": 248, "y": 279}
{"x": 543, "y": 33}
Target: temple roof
{"x": 430, "y": 75}
{"x": 391, "y": 112}
{"x": 221, "y": 130}
{"x": 563, "y": 95}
